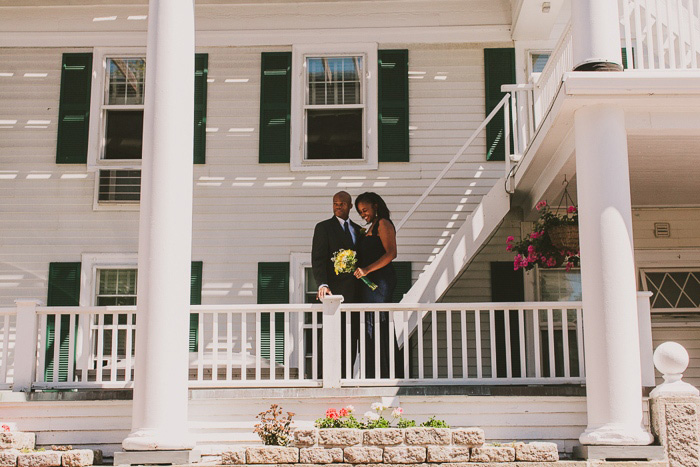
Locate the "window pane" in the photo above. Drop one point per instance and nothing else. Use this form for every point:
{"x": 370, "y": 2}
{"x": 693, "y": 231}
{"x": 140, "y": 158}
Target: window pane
{"x": 124, "y": 134}
{"x": 120, "y": 186}
{"x": 539, "y": 60}
{"x": 334, "y": 134}
{"x": 334, "y": 81}
{"x": 116, "y": 287}
{"x": 674, "y": 289}
{"x": 559, "y": 285}
{"x": 126, "y": 81}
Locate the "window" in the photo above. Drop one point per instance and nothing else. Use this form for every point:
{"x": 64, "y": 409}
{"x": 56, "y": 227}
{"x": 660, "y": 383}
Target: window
{"x": 334, "y": 96}
{"x": 118, "y": 107}
{"x": 538, "y": 60}
{"x": 310, "y": 287}
{"x": 559, "y": 285}
{"x": 675, "y": 290}
{"x": 116, "y": 287}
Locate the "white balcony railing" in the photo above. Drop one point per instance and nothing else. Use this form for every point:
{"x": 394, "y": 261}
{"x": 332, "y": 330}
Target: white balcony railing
{"x": 303, "y": 345}
{"x": 654, "y": 35}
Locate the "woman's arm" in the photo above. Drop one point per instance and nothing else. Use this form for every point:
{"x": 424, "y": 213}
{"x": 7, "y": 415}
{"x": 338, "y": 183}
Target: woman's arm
{"x": 387, "y": 234}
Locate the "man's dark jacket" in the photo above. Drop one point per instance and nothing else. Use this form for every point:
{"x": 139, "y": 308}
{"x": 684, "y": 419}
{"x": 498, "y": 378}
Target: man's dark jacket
{"x": 329, "y": 237}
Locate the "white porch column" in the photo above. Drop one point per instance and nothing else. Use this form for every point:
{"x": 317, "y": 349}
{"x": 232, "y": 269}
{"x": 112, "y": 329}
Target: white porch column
{"x": 165, "y": 232}
{"x": 596, "y": 35}
{"x": 611, "y": 337}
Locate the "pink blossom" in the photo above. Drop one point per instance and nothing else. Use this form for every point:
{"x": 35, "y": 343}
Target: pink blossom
{"x": 332, "y": 414}
{"x": 571, "y": 209}
{"x": 569, "y": 265}
{"x": 5, "y": 428}
{"x": 551, "y": 262}
{"x": 509, "y": 247}
{"x": 534, "y": 235}
{"x": 510, "y": 239}
{"x": 343, "y": 412}
{"x": 540, "y": 205}
{"x": 530, "y": 248}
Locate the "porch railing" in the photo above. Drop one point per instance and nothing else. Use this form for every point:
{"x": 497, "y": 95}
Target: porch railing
{"x": 330, "y": 345}
{"x": 654, "y": 35}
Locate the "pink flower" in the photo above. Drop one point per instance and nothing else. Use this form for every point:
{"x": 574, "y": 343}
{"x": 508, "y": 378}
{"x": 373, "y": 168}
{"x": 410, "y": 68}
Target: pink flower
{"x": 5, "y": 428}
{"x": 332, "y": 414}
{"x": 509, "y": 247}
{"x": 534, "y": 235}
{"x": 510, "y": 239}
{"x": 343, "y": 412}
{"x": 540, "y": 205}
{"x": 569, "y": 265}
{"x": 571, "y": 209}
{"x": 531, "y": 249}
{"x": 551, "y": 262}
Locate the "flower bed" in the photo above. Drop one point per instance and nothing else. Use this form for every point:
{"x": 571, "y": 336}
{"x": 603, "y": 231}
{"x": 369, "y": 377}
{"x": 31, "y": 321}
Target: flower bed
{"x": 414, "y": 445}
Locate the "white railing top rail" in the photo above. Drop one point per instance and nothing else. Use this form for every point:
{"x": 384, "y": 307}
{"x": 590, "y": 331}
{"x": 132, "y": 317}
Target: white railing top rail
{"x": 8, "y": 310}
{"x": 452, "y": 162}
{"x": 459, "y": 306}
{"x": 553, "y": 68}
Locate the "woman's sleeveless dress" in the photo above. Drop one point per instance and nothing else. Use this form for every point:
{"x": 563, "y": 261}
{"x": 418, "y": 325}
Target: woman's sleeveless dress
{"x": 370, "y": 249}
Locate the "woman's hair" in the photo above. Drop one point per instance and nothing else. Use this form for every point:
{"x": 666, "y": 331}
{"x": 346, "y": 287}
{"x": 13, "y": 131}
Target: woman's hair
{"x": 376, "y": 202}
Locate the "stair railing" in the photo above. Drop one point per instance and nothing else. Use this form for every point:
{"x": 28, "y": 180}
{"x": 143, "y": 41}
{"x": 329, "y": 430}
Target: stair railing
{"x": 505, "y": 103}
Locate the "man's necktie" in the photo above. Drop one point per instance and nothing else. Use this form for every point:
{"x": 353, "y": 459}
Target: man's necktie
{"x": 347, "y": 233}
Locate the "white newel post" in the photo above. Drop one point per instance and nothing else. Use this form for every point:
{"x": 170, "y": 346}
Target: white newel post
{"x": 611, "y": 338}
{"x": 25, "y": 345}
{"x": 331, "y": 341}
{"x": 646, "y": 345}
{"x": 165, "y": 233}
{"x": 596, "y": 35}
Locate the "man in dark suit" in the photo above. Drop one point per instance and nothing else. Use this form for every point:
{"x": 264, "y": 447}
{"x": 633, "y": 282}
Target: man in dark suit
{"x": 331, "y": 235}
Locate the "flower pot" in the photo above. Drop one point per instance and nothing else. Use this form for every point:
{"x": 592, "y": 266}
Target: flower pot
{"x": 564, "y": 237}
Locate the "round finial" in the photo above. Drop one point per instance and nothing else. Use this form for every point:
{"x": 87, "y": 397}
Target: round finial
{"x": 671, "y": 358}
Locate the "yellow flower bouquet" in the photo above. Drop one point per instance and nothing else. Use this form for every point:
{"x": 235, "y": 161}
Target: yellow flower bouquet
{"x": 345, "y": 261}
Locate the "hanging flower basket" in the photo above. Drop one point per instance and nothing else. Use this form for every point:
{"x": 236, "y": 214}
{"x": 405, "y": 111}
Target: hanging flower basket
{"x": 564, "y": 237}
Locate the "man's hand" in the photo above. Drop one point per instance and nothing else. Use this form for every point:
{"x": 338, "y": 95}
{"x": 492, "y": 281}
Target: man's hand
{"x": 322, "y": 292}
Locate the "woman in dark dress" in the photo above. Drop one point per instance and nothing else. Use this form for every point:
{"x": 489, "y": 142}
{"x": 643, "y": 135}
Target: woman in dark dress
{"x": 375, "y": 252}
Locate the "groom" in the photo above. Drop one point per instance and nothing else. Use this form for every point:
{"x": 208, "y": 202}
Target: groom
{"x": 331, "y": 235}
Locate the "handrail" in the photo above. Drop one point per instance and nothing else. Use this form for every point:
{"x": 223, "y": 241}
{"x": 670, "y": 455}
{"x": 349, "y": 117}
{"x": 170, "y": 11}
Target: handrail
{"x": 455, "y": 158}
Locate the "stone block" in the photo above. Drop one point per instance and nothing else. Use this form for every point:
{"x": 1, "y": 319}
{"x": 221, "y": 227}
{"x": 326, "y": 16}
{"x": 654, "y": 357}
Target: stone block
{"x": 675, "y": 420}
{"x": 305, "y": 436}
{"x": 320, "y": 455}
{"x": 78, "y": 458}
{"x": 339, "y": 437}
{"x": 233, "y": 457}
{"x": 404, "y": 454}
{"x": 472, "y": 437}
{"x": 272, "y": 455}
{"x": 536, "y": 452}
{"x": 448, "y": 454}
{"x": 17, "y": 440}
{"x": 39, "y": 459}
{"x": 363, "y": 455}
{"x": 8, "y": 457}
{"x": 493, "y": 454}
{"x": 383, "y": 437}
{"x": 424, "y": 436}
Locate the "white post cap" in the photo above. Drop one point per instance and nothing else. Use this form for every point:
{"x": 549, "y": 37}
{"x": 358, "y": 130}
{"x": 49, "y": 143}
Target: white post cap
{"x": 671, "y": 359}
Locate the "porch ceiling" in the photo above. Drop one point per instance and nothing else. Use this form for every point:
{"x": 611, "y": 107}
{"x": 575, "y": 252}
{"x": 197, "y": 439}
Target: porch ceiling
{"x": 663, "y": 127}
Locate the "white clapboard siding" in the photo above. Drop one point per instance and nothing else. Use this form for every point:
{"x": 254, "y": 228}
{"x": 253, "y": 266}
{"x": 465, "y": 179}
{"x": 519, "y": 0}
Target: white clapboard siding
{"x": 684, "y": 330}
{"x": 244, "y": 212}
{"x": 216, "y": 420}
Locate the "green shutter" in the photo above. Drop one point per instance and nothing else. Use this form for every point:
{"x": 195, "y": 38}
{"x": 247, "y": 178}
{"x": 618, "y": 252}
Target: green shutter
{"x": 195, "y": 299}
{"x": 625, "y": 64}
{"x": 499, "y": 69}
{"x": 404, "y": 280}
{"x": 273, "y": 288}
{"x": 74, "y": 109}
{"x": 201, "y": 71}
{"x": 275, "y": 106}
{"x": 393, "y": 106}
{"x": 63, "y": 290}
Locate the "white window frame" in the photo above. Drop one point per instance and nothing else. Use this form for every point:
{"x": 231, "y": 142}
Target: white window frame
{"x": 92, "y": 262}
{"x": 98, "y": 110}
{"x": 300, "y": 53}
{"x": 645, "y": 286}
{"x": 532, "y": 75}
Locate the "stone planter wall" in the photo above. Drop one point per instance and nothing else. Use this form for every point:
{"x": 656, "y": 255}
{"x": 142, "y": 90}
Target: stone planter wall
{"x": 17, "y": 450}
{"x": 391, "y": 446}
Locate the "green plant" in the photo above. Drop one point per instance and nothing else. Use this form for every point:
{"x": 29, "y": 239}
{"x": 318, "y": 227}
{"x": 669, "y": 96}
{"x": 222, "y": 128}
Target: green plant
{"x": 274, "y": 429}
{"x": 432, "y": 422}
{"x": 380, "y": 422}
{"x": 405, "y": 423}
{"x": 537, "y": 248}
{"x": 342, "y": 418}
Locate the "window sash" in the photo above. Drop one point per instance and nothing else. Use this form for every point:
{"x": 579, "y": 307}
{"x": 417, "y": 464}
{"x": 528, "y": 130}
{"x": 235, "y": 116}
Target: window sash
{"x": 661, "y": 298}
{"x": 122, "y": 274}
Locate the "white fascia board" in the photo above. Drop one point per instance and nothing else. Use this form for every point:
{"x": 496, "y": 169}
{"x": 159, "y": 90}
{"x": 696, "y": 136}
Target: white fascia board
{"x": 531, "y": 22}
{"x": 652, "y": 82}
{"x": 260, "y": 37}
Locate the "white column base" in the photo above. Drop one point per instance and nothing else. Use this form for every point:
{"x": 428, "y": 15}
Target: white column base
{"x": 152, "y": 440}
{"x": 617, "y": 435}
